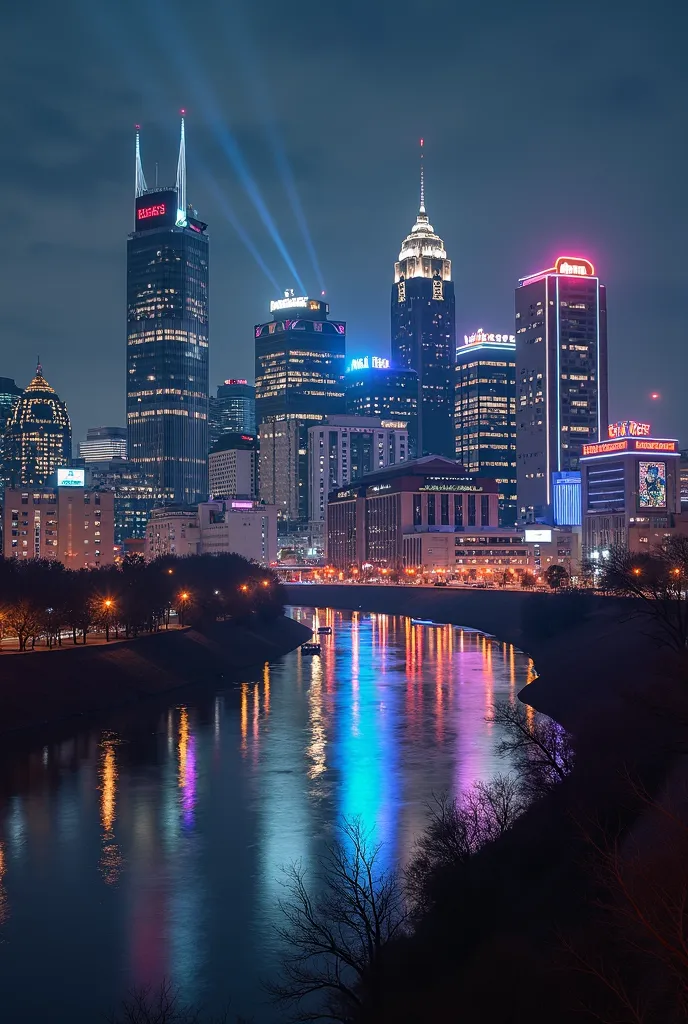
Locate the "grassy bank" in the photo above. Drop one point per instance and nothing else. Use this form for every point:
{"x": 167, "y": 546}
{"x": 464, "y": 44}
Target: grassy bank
{"x": 40, "y": 688}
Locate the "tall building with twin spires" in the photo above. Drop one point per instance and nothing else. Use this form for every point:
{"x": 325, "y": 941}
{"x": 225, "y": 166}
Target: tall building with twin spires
{"x": 167, "y": 338}
{"x": 423, "y": 329}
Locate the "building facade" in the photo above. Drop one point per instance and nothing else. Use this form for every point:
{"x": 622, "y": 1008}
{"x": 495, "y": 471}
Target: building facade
{"x": 367, "y": 521}
{"x": 631, "y": 491}
{"x": 374, "y": 388}
{"x": 103, "y": 443}
{"x": 10, "y": 393}
{"x": 299, "y": 379}
{"x": 246, "y": 528}
{"x": 232, "y": 410}
{"x": 38, "y": 436}
{"x": 485, "y": 413}
{"x": 173, "y": 531}
{"x": 233, "y": 467}
{"x": 167, "y": 339}
{"x": 134, "y": 496}
{"x": 423, "y": 330}
{"x": 561, "y": 377}
{"x": 67, "y": 524}
{"x": 345, "y": 448}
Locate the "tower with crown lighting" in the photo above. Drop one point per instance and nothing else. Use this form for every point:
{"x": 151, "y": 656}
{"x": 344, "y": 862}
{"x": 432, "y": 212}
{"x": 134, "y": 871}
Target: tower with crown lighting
{"x": 38, "y": 437}
{"x": 167, "y": 337}
{"x": 423, "y": 328}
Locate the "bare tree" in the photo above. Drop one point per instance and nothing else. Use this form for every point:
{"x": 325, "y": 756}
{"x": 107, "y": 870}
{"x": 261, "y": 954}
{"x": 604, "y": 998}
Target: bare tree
{"x": 457, "y": 829}
{"x": 539, "y": 748}
{"x": 161, "y": 1005}
{"x": 659, "y": 582}
{"x": 336, "y": 931}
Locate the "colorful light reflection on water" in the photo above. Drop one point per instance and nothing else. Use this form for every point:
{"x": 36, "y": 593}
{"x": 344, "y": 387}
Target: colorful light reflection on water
{"x": 154, "y": 848}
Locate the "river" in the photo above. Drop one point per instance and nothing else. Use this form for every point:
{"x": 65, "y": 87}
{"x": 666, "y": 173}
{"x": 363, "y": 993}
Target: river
{"x": 150, "y": 845}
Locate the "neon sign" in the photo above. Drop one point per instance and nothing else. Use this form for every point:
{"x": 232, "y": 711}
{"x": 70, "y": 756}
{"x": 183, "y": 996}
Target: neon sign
{"x": 289, "y": 302}
{"x": 574, "y": 266}
{"x": 239, "y": 380}
{"x": 480, "y": 336}
{"x": 150, "y": 211}
{"x": 632, "y": 444}
{"x": 655, "y": 446}
{"x": 365, "y": 363}
{"x": 629, "y": 428}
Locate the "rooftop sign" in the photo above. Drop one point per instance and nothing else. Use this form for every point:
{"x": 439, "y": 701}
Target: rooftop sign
{"x": 629, "y": 428}
{"x": 631, "y": 444}
{"x": 289, "y": 302}
{"x": 480, "y": 336}
{"x": 368, "y": 362}
{"x": 574, "y": 266}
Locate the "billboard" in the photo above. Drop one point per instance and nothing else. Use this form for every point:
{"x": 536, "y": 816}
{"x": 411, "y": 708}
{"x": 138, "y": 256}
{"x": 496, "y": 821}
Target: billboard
{"x": 652, "y": 491}
{"x": 71, "y": 478}
{"x": 156, "y": 209}
{"x": 538, "y": 536}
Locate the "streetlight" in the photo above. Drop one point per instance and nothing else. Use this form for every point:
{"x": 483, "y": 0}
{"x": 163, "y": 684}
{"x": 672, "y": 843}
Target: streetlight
{"x": 108, "y": 606}
{"x": 183, "y": 598}
{"x": 49, "y": 613}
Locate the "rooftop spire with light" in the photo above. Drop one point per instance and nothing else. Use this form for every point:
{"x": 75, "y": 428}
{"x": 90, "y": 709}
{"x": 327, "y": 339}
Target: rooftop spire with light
{"x": 422, "y": 241}
{"x": 140, "y": 181}
{"x": 181, "y": 178}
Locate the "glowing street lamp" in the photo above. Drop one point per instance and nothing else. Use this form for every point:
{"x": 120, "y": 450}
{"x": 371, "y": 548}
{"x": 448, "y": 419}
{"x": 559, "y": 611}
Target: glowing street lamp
{"x": 183, "y": 598}
{"x": 107, "y": 604}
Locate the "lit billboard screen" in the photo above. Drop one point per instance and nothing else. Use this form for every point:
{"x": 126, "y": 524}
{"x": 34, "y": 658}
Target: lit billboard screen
{"x": 71, "y": 478}
{"x": 538, "y": 536}
{"x": 652, "y": 484}
{"x": 156, "y": 209}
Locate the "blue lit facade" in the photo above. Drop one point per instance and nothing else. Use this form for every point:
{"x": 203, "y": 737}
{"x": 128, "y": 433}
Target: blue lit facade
{"x": 567, "y": 499}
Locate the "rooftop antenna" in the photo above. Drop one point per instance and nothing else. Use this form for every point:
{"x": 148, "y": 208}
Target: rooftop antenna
{"x": 181, "y": 179}
{"x": 422, "y": 181}
{"x": 140, "y": 181}
{"x": 157, "y": 165}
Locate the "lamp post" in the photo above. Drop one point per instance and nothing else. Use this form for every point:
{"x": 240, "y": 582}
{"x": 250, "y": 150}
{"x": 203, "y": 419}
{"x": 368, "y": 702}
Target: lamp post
{"x": 108, "y": 605}
{"x": 49, "y": 613}
{"x": 183, "y": 598}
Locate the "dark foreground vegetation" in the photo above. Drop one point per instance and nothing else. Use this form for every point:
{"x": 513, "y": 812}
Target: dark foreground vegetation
{"x": 40, "y": 600}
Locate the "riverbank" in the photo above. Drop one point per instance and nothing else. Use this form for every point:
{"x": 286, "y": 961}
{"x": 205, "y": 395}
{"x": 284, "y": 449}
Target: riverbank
{"x": 48, "y": 687}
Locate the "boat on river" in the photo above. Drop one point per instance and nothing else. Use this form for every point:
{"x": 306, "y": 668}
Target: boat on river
{"x": 428, "y": 622}
{"x": 310, "y": 648}
{"x": 325, "y": 630}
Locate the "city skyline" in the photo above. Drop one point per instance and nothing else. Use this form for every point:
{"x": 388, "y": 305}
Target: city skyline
{"x": 610, "y": 206}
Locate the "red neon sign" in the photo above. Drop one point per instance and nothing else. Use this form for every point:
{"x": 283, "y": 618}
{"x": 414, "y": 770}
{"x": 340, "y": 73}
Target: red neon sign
{"x": 574, "y": 266}
{"x": 150, "y": 211}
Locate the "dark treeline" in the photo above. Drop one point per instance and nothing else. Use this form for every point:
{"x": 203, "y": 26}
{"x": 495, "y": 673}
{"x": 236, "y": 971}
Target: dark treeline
{"x": 40, "y": 600}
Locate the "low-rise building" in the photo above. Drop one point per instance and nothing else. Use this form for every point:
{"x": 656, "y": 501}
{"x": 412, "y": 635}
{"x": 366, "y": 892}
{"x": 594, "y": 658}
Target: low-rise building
{"x": 489, "y": 551}
{"x": 173, "y": 531}
{"x": 631, "y": 490}
{"x": 68, "y": 523}
{"x": 368, "y": 521}
{"x": 226, "y": 526}
{"x": 245, "y": 527}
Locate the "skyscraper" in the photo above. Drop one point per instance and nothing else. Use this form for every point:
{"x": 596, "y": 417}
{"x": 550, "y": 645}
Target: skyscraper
{"x": 233, "y": 411}
{"x": 167, "y": 338}
{"x": 104, "y": 443}
{"x": 423, "y": 332}
{"x": 374, "y": 388}
{"x": 9, "y": 396}
{"x": 485, "y": 413}
{"x": 299, "y": 379}
{"x": 38, "y": 438}
{"x": 561, "y": 377}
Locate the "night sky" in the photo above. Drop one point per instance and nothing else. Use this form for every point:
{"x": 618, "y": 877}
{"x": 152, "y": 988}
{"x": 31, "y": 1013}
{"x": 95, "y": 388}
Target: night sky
{"x": 550, "y": 128}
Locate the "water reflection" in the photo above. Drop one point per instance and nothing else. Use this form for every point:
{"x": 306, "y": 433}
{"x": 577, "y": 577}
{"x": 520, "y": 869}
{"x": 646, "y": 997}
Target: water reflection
{"x": 164, "y": 837}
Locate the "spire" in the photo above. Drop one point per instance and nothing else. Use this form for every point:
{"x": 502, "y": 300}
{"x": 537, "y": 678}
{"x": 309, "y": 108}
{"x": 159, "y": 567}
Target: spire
{"x": 140, "y": 181}
{"x": 39, "y": 368}
{"x": 181, "y": 179}
{"x": 422, "y": 181}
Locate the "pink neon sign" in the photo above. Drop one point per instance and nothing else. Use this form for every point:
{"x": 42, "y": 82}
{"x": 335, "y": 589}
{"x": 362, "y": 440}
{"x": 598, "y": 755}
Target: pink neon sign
{"x": 150, "y": 211}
